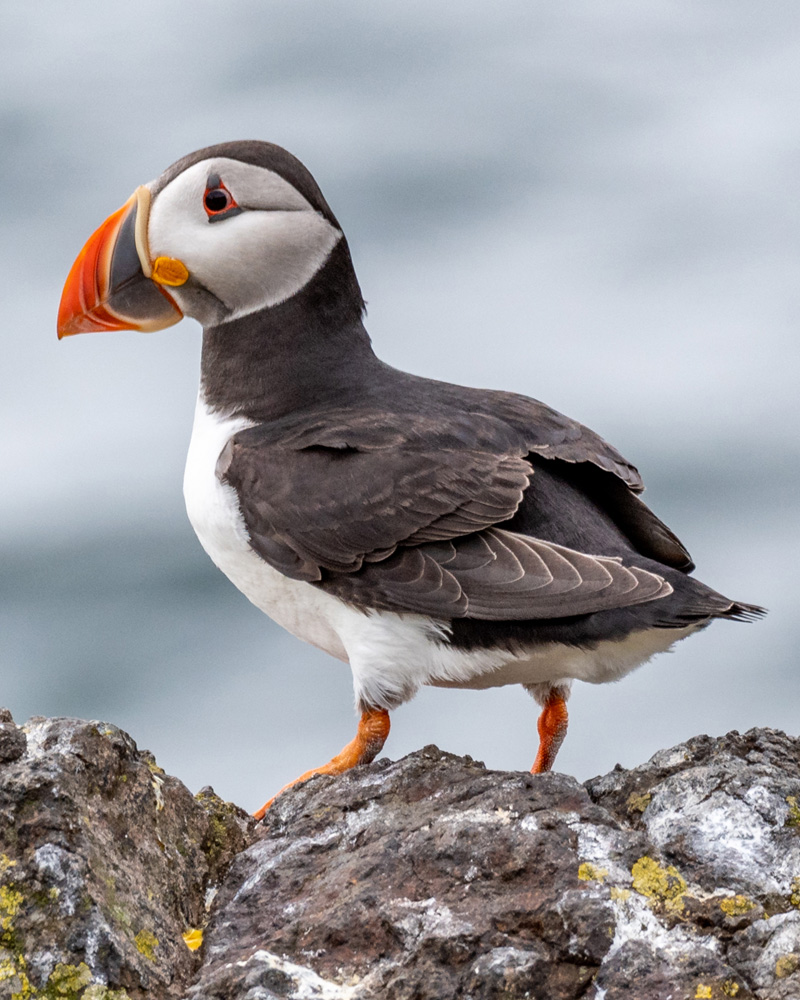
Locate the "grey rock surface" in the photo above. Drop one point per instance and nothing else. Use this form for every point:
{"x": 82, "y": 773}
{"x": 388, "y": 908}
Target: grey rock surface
{"x": 430, "y": 877}
{"x": 105, "y": 863}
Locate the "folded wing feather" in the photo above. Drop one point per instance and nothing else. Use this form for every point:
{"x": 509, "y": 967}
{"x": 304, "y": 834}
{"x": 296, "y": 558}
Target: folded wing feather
{"x": 409, "y": 519}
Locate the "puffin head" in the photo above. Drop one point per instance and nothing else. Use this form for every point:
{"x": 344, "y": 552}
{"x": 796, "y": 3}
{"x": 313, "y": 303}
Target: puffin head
{"x": 226, "y": 231}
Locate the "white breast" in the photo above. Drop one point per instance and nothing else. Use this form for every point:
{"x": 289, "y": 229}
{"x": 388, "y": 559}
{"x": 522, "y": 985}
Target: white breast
{"x": 213, "y": 510}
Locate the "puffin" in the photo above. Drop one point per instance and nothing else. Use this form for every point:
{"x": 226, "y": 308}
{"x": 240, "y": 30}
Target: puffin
{"x": 423, "y": 532}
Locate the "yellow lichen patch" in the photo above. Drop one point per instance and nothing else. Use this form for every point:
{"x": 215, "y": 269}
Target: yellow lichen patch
{"x": 193, "y": 938}
{"x": 13, "y": 966}
{"x": 591, "y": 873}
{"x": 794, "y": 897}
{"x": 99, "y": 992}
{"x": 735, "y": 906}
{"x": 730, "y": 988}
{"x": 619, "y": 895}
{"x": 659, "y": 883}
{"x": 66, "y": 980}
{"x": 146, "y": 943}
{"x": 786, "y": 965}
{"x": 5, "y": 863}
{"x": 10, "y": 902}
{"x": 14, "y": 969}
{"x": 638, "y": 803}
{"x": 703, "y": 992}
{"x": 8, "y": 969}
{"x": 793, "y": 819}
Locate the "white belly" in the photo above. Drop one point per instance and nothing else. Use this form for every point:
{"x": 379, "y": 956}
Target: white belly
{"x": 390, "y": 655}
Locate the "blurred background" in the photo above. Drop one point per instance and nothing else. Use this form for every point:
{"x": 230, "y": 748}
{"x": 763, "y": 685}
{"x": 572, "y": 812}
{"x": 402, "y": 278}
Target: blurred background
{"x": 593, "y": 204}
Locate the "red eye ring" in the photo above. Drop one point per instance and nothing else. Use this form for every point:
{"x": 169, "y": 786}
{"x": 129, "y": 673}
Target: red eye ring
{"x": 217, "y": 200}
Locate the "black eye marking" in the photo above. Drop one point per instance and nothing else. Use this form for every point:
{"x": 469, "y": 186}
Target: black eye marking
{"x": 218, "y": 202}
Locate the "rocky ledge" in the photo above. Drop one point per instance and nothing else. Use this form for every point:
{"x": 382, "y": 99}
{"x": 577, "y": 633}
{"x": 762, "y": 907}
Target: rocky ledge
{"x": 421, "y": 879}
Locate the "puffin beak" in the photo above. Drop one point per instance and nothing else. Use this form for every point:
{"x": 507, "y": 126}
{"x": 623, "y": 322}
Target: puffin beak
{"x": 113, "y": 285}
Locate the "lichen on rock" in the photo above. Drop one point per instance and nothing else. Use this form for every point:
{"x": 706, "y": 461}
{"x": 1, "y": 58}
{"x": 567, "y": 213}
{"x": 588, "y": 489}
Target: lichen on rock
{"x": 658, "y": 882}
{"x": 97, "y": 884}
{"x": 421, "y": 879}
{"x": 736, "y": 906}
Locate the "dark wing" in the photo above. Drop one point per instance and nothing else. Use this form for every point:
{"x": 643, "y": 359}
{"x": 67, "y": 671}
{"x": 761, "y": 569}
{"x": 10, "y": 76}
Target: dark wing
{"x": 404, "y": 518}
{"x": 594, "y": 465}
{"x": 335, "y": 494}
{"x": 553, "y": 435}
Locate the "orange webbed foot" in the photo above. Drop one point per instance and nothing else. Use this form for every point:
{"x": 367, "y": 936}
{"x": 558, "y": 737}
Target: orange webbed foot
{"x": 373, "y": 728}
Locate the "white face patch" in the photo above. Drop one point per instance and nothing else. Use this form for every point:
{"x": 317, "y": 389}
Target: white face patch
{"x": 257, "y": 258}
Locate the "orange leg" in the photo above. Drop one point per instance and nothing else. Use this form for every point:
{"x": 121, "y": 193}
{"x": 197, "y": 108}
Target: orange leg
{"x": 373, "y": 728}
{"x": 552, "y": 730}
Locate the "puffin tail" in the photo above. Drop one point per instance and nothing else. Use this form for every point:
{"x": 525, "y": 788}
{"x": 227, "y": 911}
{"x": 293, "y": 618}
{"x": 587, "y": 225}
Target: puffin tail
{"x": 738, "y": 612}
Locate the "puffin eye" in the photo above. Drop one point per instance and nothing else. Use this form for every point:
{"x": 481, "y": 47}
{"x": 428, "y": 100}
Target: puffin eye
{"x": 218, "y": 202}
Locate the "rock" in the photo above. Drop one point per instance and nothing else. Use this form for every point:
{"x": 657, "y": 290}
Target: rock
{"x": 426, "y": 878}
{"x": 105, "y": 863}
{"x": 13, "y": 742}
{"x": 433, "y": 877}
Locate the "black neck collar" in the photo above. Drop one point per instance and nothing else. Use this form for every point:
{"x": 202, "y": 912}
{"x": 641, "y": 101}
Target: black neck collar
{"x": 311, "y": 349}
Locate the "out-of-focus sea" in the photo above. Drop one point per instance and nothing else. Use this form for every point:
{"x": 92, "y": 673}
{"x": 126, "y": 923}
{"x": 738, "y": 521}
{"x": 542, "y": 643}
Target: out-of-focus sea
{"x": 596, "y": 205}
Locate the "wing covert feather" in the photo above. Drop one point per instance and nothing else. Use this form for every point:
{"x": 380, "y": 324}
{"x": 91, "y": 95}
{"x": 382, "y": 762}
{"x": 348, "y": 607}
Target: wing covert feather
{"x": 337, "y": 506}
